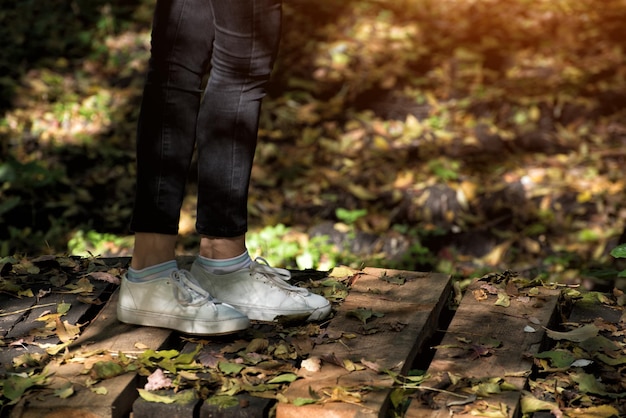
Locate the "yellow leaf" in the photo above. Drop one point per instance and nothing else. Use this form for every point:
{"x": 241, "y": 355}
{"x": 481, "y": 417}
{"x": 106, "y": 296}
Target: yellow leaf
{"x": 361, "y": 192}
{"x": 600, "y": 411}
{"x": 154, "y": 397}
{"x": 530, "y": 404}
{"x": 66, "y": 331}
{"x": 404, "y": 179}
{"x": 81, "y": 286}
{"x": 503, "y": 300}
{"x": 412, "y": 126}
{"x": 54, "y": 349}
{"x": 584, "y": 197}
{"x": 340, "y": 394}
{"x": 381, "y": 143}
{"x": 342, "y": 271}
{"x": 497, "y": 254}
{"x": 100, "y": 390}
{"x": 25, "y": 293}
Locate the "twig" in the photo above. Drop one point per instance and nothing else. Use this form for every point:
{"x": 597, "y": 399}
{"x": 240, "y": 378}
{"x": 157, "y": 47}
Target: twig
{"x": 26, "y": 309}
{"x": 447, "y": 392}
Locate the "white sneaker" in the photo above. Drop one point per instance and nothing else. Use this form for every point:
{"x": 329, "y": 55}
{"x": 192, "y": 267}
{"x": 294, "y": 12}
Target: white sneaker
{"x": 262, "y": 292}
{"x": 177, "y": 302}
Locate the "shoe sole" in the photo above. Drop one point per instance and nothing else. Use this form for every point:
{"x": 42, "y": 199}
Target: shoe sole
{"x": 187, "y": 326}
{"x": 268, "y": 315}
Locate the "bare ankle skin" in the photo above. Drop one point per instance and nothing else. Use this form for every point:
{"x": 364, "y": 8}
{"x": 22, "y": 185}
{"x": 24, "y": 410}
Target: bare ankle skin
{"x": 152, "y": 248}
{"x": 221, "y": 248}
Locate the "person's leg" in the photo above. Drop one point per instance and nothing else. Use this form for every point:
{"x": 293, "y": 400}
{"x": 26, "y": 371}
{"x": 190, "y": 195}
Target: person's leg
{"x": 222, "y": 248}
{"x": 245, "y": 46}
{"x": 246, "y": 42}
{"x": 155, "y": 292}
{"x": 182, "y": 37}
{"x": 151, "y": 249}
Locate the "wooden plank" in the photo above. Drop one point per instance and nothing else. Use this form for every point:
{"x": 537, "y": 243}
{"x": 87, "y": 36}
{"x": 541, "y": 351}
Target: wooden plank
{"x": 147, "y": 409}
{"x": 477, "y": 320}
{"x": 249, "y": 407}
{"x": 18, "y": 318}
{"x": 12, "y": 311}
{"x": 26, "y": 324}
{"x": 409, "y": 318}
{"x": 104, "y": 333}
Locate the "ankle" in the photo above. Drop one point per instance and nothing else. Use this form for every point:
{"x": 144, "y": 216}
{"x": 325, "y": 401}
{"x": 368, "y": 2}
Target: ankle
{"x": 152, "y": 249}
{"x": 219, "y": 248}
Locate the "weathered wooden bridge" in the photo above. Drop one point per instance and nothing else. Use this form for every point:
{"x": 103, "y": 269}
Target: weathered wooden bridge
{"x": 414, "y": 315}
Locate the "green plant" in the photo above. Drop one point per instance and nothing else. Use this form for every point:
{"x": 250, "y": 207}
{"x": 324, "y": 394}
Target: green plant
{"x": 284, "y": 246}
{"x": 90, "y": 243}
{"x": 620, "y": 252}
{"x": 418, "y": 254}
{"x": 350, "y": 216}
{"x": 445, "y": 170}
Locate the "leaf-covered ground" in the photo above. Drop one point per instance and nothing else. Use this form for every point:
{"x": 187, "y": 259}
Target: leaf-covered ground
{"x": 466, "y": 134}
{"x": 578, "y": 373}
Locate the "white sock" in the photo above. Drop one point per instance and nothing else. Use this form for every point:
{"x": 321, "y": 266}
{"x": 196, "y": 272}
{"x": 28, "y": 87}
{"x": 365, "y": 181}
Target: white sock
{"x": 224, "y": 266}
{"x": 152, "y": 272}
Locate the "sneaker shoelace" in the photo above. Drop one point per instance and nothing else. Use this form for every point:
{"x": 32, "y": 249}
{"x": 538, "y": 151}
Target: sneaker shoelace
{"x": 276, "y": 276}
{"x": 187, "y": 290}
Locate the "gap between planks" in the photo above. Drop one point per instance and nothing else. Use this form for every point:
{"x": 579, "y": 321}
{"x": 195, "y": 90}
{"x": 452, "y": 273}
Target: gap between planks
{"x": 410, "y": 317}
{"x": 512, "y": 360}
{"x": 105, "y": 333}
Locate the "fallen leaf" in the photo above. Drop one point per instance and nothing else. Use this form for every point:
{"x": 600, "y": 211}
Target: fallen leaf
{"x": 66, "y": 331}
{"x": 155, "y": 397}
{"x": 559, "y": 359}
{"x": 600, "y": 411}
{"x": 223, "y": 401}
{"x": 479, "y": 294}
{"x": 284, "y": 378}
{"x": 341, "y": 394}
{"x": 65, "y": 391}
{"x": 83, "y": 285}
{"x": 63, "y": 308}
{"x": 342, "y": 272}
{"x": 503, "y": 300}
{"x": 304, "y": 401}
{"x": 395, "y": 279}
{"x": 101, "y": 390}
{"x": 105, "y": 370}
{"x": 588, "y": 383}
{"x": 16, "y": 385}
{"x": 257, "y": 345}
{"x": 230, "y": 368}
{"x": 371, "y": 365}
{"x": 577, "y": 335}
{"x": 581, "y": 363}
{"x": 363, "y": 314}
{"x": 531, "y": 404}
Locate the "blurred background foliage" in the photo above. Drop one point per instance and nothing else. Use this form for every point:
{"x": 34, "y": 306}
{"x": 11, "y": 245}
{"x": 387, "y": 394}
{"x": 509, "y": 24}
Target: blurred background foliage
{"x": 450, "y": 135}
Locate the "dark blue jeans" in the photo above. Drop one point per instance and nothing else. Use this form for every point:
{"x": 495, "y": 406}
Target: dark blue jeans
{"x": 233, "y": 43}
